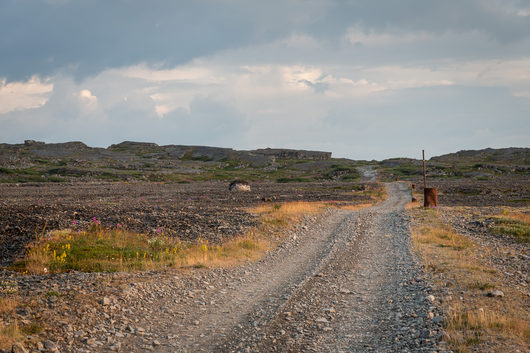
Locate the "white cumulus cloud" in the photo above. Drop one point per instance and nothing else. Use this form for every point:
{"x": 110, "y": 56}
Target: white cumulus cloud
{"x": 21, "y": 95}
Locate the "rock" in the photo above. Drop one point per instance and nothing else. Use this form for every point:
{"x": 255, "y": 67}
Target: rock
{"x": 430, "y": 298}
{"x": 430, "y": 315}
{"x": 239, "y": 185}
{"x": 40, "y": 346}
{"x": 115, "y": 347}
{"x": 495, "y": 294}
{"x": 322, "y": 320}
{"x": 50, "y": 346}
{"x": 156, "y": 343}
{"x": 18, "y": 348}
{"x": 90, "y": 341}
{"x": 33, "y": 143}
{"x": 105, "y": 301}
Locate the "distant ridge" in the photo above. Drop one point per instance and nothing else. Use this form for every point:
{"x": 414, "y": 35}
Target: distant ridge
{"x": 518, "y": 155}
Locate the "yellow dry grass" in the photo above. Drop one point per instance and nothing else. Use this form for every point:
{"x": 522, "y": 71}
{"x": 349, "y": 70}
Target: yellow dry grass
{"x": 471, "y": 319}
{"x": 9, "y": 331}
{"x": 288, "y": 212}
{"x": 8, "y": 305}
{"x": 519, "y": 215}
{"x": 229, "y": 253}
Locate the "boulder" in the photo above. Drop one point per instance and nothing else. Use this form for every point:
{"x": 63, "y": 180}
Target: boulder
{"x": 239, "y": 185}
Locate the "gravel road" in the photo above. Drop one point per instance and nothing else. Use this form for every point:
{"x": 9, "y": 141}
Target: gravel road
{"x": 344, "y": 281}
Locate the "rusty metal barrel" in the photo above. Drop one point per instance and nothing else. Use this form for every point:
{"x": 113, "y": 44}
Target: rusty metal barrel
{"x": 430, "y": 197}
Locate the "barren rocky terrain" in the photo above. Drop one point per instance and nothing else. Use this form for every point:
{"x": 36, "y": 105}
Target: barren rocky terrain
{"x": 187, "y": 211}
{"x": 343, "y": 281}
{"x": 340, "y": 281}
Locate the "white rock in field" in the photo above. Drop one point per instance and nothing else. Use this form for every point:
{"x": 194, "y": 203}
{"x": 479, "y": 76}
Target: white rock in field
{"x": 239, "y": 185}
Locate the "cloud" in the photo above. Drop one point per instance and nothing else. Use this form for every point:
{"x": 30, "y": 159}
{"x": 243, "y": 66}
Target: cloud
{"x": 352, "y": 77}
{"x": 88, "y": 99}
{"x": 22, "y": 95}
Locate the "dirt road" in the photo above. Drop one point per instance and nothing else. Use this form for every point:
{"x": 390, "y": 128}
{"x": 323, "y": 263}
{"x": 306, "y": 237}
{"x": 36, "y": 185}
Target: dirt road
{"x": 348, "y": 283}
{"x": 343, "y": 281}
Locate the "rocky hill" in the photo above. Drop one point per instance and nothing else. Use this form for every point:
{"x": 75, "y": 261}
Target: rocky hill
{"x": 35, "y": 161}
{"x": 485, "y": 163}
{"x": 39, "y": 161}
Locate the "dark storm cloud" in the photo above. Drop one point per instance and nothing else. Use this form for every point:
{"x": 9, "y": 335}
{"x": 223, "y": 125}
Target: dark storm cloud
{"x": 89, "y": 36}
{"x": 85, "y": 36}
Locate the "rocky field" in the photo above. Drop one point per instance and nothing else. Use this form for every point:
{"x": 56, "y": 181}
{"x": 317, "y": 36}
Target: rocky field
{"x": 187, "y": 211}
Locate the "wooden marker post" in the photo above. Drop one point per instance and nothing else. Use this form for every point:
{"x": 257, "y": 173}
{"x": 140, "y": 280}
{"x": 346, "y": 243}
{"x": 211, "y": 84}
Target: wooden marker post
{"x": 424, "y": 171}
{"x": 430, "y": 195}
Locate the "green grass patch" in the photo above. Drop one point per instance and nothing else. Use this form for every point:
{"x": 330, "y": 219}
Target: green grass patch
{"x": 517, "y": 228}
{"x": 112, "y": 250}
{"x": 482, "y": 285}
{"x": 293, "y": 180}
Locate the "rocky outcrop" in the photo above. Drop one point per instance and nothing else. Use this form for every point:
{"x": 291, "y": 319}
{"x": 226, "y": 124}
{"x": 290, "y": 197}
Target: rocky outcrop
{"x": 293, "y": 154}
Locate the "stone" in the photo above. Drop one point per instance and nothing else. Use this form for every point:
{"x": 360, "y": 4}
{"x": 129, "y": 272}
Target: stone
{"x": 322, "y": 320}
{"x": 18, "y": 348}
{"x": 91, "y": 341}
{"x": 496, "y": 294}
{"x": 156, "y": 343}
{"x": 430, "y": 298}
{"x": 239, "y": 185}
{"x": 105, "y": 301}
{"x": 50, "y": 346}
{"x": 430, "y": 315}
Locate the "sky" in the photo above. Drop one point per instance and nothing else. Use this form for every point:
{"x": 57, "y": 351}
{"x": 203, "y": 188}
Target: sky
{"x": 362, "y": 79}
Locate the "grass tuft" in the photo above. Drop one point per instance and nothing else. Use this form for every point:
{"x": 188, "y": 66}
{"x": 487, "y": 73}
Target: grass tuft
{"x": 515, "y": 224}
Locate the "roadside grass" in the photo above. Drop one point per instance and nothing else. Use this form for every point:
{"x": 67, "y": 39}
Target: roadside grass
{"x": 513, "y": 223}
{"x": 111, "y": 250}
{"x": 100, "y": 249}
{"x": 470, "y": 318}
{"x": 287, "y": 213}
{"x": 9, "y": 331}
